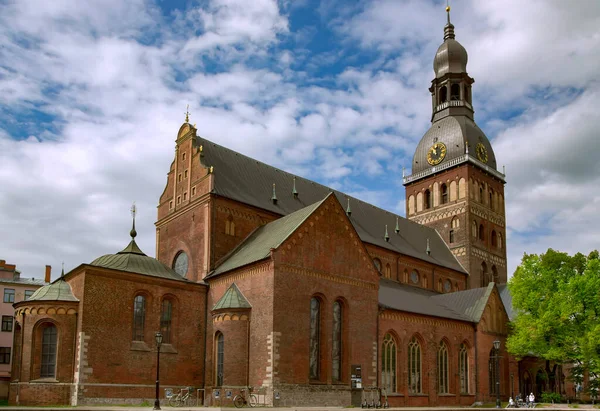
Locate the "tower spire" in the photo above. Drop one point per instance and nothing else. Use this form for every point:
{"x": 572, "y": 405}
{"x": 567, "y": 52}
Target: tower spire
{"x": 449, "y": 27}
{"x": 187, "y": 114}
{"x": 133, "y": 233}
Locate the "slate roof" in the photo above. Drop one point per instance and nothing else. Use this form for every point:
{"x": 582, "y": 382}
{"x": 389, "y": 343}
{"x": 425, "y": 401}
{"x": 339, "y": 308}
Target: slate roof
{"x": 233, "y": 298}
{"x": 467, "y": 305}
{"x": 249, "y": 181}
{"x": 506, "y": 298}
{"x": 59, "y": 290}
{"x": 259, "y": 243}
{"x": 133, "y": 260}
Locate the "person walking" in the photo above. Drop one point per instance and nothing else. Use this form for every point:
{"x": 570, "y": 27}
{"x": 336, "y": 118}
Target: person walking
{"x": 531, "y": 400}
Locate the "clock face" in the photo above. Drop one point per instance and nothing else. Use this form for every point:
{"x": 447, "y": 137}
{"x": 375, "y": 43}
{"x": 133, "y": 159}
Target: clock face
{"x": 436, "y": 153}
{"x": 482, "y": 153}
{"x": 180, "y": 265}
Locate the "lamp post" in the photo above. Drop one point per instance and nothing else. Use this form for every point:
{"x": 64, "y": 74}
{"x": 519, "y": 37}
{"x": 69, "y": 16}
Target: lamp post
{"x": 158, "y": 336}
{"x": 497, "y": 356}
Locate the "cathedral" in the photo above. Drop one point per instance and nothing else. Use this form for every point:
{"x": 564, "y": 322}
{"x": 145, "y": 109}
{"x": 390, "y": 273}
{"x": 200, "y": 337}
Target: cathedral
{"x": 268, "y": 280}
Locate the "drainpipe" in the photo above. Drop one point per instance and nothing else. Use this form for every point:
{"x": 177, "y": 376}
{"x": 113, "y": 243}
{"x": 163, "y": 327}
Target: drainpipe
{"x": 476, "y": 364}
{"x": 205, "y": 337}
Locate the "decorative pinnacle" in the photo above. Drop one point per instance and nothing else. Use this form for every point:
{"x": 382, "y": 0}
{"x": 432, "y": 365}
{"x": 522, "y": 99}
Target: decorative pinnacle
{"x": 133, "y": 233}
{"x": 397, "y": 230}
{"x": 448, "y": 28}
{"x": 187, "y": 114}
{"x": 62, "y": 273}
{"x": 274, "y": 196}
{"x": 348, "y": 209}
{"x": 386, "y": 237}
{"x": 467, "y": 146}
{"x": 403, "y": 172}
{"x": 428, "y": 250}
{"x": 294, "y": 191}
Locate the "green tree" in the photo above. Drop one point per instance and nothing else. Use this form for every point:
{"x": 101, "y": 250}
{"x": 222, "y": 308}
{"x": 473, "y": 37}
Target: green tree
{"x": 556, "y": 298}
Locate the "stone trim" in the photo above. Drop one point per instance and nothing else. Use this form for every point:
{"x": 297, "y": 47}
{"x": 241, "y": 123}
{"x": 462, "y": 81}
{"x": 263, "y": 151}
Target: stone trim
{"x": 440, "y": 214}
{"x": 36, "y": 310}
{"x": 240, "y": 273}
{"x": 487, "y": 214}
{"x": 229, "y": 317}
{"x": 411, "y": 318}
{"x": 271, "y": 377}
{"x": 330, "y": 277}
{"x": 238, "y": 213}
{"x": 478, "y": 252}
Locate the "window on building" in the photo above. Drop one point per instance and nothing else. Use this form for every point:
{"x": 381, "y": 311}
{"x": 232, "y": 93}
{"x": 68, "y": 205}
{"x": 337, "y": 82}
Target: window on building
{"x": 194, "y": 190}
{"x": 474, "y": 230}
{"x": 492, "y": 371}
{"x": 9, "y": 295}
{"x": 388, "y": 271}
{"x": 455, "y": 222}
{"x": 183, "y": 156}
{"x": 185, "y": 174}
{"x": 500, "y": 241}
{"x": 315, "y": 340}
{"x": 481, "y": 232}
{"x": 494, "y": 274}
{"x": 414, "y": 367}
{"x": 170, "y": 205}
{"x": 377, "y": 263}
{"x": 4, "y": 355}
{"x": 491, "y": 199}
{"x": 455, "y": 92}
{"x": 166, "y": 317}
{"x": 484, "y": 275}
{"x": 443, "y": 94}
{"x": 388, "y": 363}
{"x": 442, "y": 368}
{"x": 451, "y": 236}
{"x": 178, "y": 199}
{"x": 179, "y": 178}
{"x": 220, "y": 351}
{"x": 7, "y": 323}
{"x": 230, "y": 226}
{"x": 139, "y": 317}
{"x": 481, "y": 197}
{"x": 185, "y": 196}
{"x": 463, "y": 369}
{"x": 427, "y": 199}
{"x": 494, "y": 239}
{"x": 48, "y": 366}
{"x": 28, "y": 293}
{"x": 444, "y": 191}
{"x": 336, "y": 347}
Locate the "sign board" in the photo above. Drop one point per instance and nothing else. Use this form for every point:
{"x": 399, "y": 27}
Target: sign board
{"x": 277, "y": 395}
{"x": 217, "y": 393}
{"x": 356, "y": 376}
{"x": 168, "y": 392}
{"x": 228, "y": 394}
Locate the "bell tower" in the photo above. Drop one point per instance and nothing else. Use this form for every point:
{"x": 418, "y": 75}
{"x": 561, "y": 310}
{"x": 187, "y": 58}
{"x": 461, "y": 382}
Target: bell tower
{"x": 454, "y": 185}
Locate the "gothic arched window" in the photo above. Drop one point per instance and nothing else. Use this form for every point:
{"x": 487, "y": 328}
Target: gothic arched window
{"x": 442, "y": 368}
{"x": 315, "y": 340}
{"x": 481, "y": 232}
{"x": 484, "y": 275}
{"x": 455, "y": 223}
{"x": 48, "y": 363}
{"x": 494, "y": 274}
{"x": 463, "y": 369}
{"x": 388, "y": 271}
{"x": 388, "y": 363}
{"x": 220, "y": 354}
{"x": 492, "y": 371}
{"x": 443, "y": 94}
{"x": 427, "y": 199}
{"x": 444, "y": 191}
{"x": 414, "y": 367}
{"x": 336, "y": 347}
{"x": 474, "y": 230}
{"x": 166, "y": 317}
{"x": 500, "y": 241}
{"x": 494, "y": 239}
{"x": 139, "y": 317}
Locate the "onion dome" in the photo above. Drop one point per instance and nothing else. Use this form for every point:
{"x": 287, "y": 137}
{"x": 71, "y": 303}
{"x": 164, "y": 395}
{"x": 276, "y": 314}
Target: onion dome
{"x": 451, "y": 56}
{"x": 59, "y": 290}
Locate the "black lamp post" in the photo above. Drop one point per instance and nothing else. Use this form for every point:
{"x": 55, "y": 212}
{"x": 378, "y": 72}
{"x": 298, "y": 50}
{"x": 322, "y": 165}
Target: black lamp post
{"x": 497, "y": 348}
{"x": 158, "y": 336}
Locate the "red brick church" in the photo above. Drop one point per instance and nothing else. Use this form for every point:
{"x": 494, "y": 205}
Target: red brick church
{"x": 266, "y": 279}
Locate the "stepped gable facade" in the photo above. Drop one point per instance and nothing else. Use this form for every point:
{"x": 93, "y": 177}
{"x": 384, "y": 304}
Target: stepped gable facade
{"x": 269, "y": 280}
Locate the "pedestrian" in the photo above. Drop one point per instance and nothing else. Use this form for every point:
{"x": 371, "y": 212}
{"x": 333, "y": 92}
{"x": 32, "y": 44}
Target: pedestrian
{"x": 532, "y": 400}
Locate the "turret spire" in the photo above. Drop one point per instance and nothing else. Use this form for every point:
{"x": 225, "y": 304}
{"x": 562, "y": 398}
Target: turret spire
{"x": 449, "y": 27}
{"x": 187, "y": 114}
{"x": 133, "y": 233}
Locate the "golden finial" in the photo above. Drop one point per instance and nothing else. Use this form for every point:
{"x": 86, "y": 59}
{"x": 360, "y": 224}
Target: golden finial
{"x": 211, "y": 169}
{"x": 187, "y": 114}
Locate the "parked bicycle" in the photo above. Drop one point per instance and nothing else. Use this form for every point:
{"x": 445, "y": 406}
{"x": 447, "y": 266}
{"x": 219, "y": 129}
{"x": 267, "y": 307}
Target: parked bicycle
{"x": 245, "y": 398}
{"x": 181, "y": 398}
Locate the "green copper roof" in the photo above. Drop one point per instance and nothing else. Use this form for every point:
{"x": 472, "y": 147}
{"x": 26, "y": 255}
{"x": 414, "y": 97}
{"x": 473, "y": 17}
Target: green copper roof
{"x": 59, "y": 290}
{"x": 258, "y": 245}
{"x": 133, "y": 260}
{"x": 233, "y": 298}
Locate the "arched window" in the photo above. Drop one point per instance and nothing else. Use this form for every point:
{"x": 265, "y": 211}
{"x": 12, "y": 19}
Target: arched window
{"x": 455, "y": 223}
{"x": 427, "y": 200}
{"x": 315, "y": 333}
{"x": 414, "y": 367}
{"x": 166, "y": 316}
{"x": 443, "y": 94}
{"x": 230, "y": 226}
{"x": 474, "y": 230}
{"x": 466, "y": 91}
{"x": 481, "y": 197}
{"x": 484, "y": 275}
{"x": 492, "y": 371}
{"x": 495, "y": 274}
{"x": 405, "y": 276}
{"x": 336, "y": 347}
{"x": 481, "y": 232}
{"x": 220, "y": 356}
{"x": 48, "y": 363}
{"x": 388, "y": 271}
{"x": 494, "y": 239}
{"x": 444, "y": 191}
{"x": 442, "y": 368}
{"x": 491, "y": 199}
{"x": 451, "y": 236}
{"x": 388, "y": 363}
{"x": 463, "y": 369}
{"x": 455, "y": 92}
{"x": 500, "y": 241}
{"x": 139, "y": 317}
{"x": 377, "y": 263}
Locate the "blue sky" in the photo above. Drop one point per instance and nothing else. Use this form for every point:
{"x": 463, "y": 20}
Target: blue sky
{"x": 92, "y": 95}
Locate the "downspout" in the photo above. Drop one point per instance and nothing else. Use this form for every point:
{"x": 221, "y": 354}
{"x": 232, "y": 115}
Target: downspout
{"x": 21, "y": 360}
{"x": 205, "y": 338}
{"x": 379, "y": 311}
{"x": 248, "y": 355}
{"x": 75, "y": 354}
{"x": 476, "y": 364}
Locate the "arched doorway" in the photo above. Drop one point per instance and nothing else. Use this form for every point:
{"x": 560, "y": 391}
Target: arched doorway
{"x": 541, "y": 382}
{"x": 526, "y": 386}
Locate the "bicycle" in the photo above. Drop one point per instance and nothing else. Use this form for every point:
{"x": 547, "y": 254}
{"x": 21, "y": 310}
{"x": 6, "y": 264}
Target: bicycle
{"x": 181, "y": 398}
{"x": 243, "y": 399}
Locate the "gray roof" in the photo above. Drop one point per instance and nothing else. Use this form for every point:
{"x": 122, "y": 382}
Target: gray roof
{"x": 233, "y": 298}
{"x": 467, "y": 305}
{"x": 133, "y": 260}
{"x": 251, "y": 182}
{"x": 506, "y": 298}
{"x": 59, "y": 290}
{"x": 451, "y": 56}
{"x": 259, "y": 243}
{"x": 34, "y": 282}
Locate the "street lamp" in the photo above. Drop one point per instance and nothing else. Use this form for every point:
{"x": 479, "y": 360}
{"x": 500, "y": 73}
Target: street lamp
{"x": 158, "y": 337}
{"x": 497, "y": 352}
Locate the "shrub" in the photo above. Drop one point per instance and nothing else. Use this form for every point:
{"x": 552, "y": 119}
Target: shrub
{"x": 551, "y": 397}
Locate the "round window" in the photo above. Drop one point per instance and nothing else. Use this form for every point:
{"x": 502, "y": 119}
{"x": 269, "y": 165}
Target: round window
{"x": 377, "y": 264}
{"x": 180, "y": 265}
{"x": 447, "y": 286}
{"x": 414, "y": 276}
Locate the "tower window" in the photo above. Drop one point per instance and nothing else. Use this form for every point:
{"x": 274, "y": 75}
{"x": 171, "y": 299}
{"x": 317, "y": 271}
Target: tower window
{"x": 481, "y": 232}
{"x": 443, "y": 94}
{"x": 455, "y": 92}
{"x": 183, "y": 156}
{"x": 490, "y": 197}
{"x": 170, "y": 204}
{"x": 481, "y": 197}
{"x": 185, "y": 196}
{"x": 494, "y": 239}
{"x": 444, "y": 190}
{"x": 185, "y": 174}
{"x": 455, "y": 222}
{"x": 451, "y": 236}
{"x": 179, "y": 178}
{"x": 427, "y": 199}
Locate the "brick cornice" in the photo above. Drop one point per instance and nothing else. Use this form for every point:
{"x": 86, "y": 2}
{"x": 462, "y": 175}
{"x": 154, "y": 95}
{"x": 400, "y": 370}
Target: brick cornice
{"x": 328, "y": 276}
{"x": 418, "y": 319}
{"x": 197, "y": 203}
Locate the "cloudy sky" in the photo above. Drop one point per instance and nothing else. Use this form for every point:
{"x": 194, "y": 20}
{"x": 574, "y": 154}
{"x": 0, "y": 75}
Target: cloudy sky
{"x": 92, "y": 94}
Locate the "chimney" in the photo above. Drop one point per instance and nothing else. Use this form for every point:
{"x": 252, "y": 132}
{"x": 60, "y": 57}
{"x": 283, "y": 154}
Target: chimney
{"x": 47, "y": 276}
